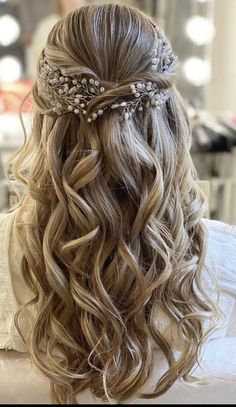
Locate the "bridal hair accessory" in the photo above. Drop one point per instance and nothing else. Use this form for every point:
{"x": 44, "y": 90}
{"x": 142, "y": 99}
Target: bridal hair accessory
{"x": 77, "y": 91}
{"x": 163, "y": 58}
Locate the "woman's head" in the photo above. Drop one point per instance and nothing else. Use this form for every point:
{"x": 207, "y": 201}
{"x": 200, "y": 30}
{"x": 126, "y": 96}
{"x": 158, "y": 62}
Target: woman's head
{"x": 118, "y": 48}
{"x": 113, "y": 238}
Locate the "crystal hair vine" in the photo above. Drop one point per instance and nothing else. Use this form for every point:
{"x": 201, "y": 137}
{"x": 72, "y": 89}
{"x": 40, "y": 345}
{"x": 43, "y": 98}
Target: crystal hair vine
{"x": 77, "y": 91}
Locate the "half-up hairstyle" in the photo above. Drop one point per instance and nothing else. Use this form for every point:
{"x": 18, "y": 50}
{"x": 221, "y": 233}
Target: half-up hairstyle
{"x": 111, "y": 221}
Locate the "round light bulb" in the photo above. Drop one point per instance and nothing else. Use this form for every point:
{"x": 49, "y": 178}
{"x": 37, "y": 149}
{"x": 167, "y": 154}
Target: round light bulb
{"x": 200, "y": 30}
{"x": 10, "y": 69}
{"x": 9, "y": 30}
{"x": 197, "y": 71}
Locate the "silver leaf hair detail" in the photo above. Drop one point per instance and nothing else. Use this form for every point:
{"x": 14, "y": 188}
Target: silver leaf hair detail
{"x": 76, "y": 91}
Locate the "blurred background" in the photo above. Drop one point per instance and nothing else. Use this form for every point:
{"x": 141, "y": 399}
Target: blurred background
{"x": 202, "y": 33}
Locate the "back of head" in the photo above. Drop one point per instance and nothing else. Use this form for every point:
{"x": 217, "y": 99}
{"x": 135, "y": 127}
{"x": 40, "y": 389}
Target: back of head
{"x": 113, "y": 239}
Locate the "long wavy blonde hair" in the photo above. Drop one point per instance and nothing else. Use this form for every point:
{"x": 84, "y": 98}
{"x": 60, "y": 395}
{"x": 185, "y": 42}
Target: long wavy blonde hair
{"x": 111, "y": 222}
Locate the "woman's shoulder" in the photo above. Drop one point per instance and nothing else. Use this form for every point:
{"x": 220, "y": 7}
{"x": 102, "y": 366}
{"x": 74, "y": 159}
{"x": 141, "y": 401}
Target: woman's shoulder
{"x": 220, "y": 229}
{"x": 221, "y": 236}
{"x": 6, "y": 216}
{"x": 221, "y": 252}
{"x": 6, "y": 219}
{"x": 7, "y": 239}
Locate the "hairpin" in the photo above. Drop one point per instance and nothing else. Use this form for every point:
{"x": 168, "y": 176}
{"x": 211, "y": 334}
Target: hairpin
{"x": 77, "y": 91}
{"x": 163, "y": 55}
{"x": 143, "y": 95}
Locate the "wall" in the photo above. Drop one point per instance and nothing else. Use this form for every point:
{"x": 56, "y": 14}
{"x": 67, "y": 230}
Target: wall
{"x": 221, "y": 91}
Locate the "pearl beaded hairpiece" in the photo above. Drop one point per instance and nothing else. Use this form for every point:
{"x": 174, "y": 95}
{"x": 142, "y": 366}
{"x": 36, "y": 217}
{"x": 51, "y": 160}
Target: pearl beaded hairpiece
{"x": 77, "y": 91}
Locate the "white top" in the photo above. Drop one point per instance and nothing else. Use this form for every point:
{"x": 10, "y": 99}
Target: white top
{"x": 218, "y": 355}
